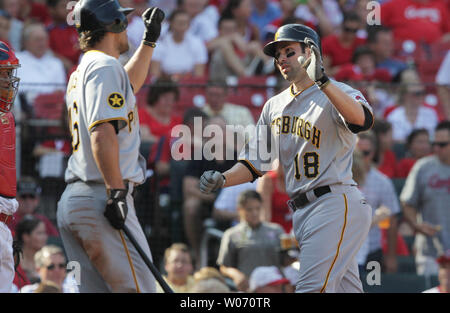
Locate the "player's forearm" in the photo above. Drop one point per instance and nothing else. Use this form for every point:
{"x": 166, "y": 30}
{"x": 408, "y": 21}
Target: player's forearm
{"x": 238, "y": 174}
{"x": 222, "y": 215}
{"x": 138, "y": 66}
{"x": 410, "y": 215}
{"x": 231, "y": 272}
{"x": 105, "y": 149}
{"x": 351, "y": 110}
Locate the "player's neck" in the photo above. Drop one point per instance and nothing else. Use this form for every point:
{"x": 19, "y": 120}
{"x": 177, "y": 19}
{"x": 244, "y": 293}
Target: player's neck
{"x": 108, "y": 47}
{"x": 302, "y": 84}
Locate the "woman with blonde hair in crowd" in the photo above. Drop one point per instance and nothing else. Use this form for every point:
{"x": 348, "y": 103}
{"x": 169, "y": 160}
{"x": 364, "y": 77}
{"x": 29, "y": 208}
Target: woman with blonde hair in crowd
{"x": 209, "y": 280}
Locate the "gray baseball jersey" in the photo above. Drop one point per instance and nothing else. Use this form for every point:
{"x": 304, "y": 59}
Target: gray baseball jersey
{"x": 314, "y": 145}
{"x": 99, "y": 91}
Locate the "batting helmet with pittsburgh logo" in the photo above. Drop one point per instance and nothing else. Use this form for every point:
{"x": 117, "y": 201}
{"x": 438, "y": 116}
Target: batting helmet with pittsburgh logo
{"x": 294, "y": 33}
{"x": 95, "y": 15}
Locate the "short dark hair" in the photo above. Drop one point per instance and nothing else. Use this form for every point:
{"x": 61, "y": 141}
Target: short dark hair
{"x": 380, "y": 127}
{"x": 373, "y": 31}
{"x": 351, "y": 17}
{"x": 247, "y": 195}
{"x": 26, "y": 226}
{"x": 162, "y": 86}
{"x": 416, "y": 132}
{"x": 191, "y": 113}
{"x": 89, "y": 38}
{"x": 360, "y": 51}
{"x": 231, "y": 5}
{"x": 443, "y": 125}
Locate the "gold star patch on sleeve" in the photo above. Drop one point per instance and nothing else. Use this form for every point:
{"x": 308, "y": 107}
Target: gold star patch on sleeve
{"x": 116, "y": 100}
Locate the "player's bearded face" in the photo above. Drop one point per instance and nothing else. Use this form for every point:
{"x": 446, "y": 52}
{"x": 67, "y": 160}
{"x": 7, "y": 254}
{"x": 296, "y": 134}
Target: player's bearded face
{"x": 286, "y": 60}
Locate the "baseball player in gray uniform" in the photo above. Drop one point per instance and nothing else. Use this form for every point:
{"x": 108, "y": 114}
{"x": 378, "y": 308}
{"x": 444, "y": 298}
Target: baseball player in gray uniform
{"x": 105, "y": 164}
{"x": 313, "y": 124}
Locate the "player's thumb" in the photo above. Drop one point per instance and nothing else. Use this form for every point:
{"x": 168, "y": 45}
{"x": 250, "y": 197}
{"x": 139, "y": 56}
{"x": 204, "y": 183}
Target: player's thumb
{"x": 303, "y": 61}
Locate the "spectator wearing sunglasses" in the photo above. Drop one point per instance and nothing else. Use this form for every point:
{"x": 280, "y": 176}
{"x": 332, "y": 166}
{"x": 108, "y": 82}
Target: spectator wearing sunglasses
{"x": 410, "y": 112}
{"x": 28, "y": 196}
{"x": 425, "y": 199}
{"x": 51, "y": 265}
{"x": 338, "y": 48}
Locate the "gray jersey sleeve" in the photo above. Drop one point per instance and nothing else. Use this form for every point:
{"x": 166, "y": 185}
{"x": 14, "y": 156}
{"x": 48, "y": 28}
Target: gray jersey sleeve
{"x": 260, "y": 150}
{"x": 355, "y": 95}
{"x": 410, "y": 194}
{"x": 106, "y": 100}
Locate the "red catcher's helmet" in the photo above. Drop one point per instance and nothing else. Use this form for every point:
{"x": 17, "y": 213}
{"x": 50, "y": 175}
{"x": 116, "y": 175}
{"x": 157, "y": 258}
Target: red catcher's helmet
{"x": 9, "y": 82}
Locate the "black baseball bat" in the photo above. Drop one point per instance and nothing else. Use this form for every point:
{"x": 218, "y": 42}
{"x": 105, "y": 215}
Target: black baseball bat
{"x": 147, "y": 261}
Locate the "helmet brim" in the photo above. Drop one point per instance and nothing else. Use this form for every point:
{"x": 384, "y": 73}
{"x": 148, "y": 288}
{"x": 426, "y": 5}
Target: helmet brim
{"x": 126, "y": 11}
{"x": 270, "y": 48}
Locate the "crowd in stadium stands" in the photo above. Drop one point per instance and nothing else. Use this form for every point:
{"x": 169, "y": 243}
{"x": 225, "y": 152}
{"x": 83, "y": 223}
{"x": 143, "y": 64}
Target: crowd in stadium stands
{"x": 208, "y": 70}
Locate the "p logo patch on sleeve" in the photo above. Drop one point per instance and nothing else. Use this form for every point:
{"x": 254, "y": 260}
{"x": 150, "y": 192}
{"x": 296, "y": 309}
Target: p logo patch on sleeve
{"x": 116, "y": 100}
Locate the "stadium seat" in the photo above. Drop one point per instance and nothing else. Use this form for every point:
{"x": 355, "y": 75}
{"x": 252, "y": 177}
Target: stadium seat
{"x": 192, "y": 93}
{"x": 49, "y": 106}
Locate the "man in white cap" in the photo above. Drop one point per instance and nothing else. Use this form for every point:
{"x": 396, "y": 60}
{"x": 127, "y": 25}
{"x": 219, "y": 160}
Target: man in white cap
{"x": 268, "y": 279}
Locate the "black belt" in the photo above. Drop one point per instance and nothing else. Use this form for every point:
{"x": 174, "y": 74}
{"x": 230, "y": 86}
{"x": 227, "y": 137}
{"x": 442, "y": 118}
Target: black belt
{"x": 301, "y": 200}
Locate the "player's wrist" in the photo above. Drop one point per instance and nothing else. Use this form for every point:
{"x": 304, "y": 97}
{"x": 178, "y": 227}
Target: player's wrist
{"x": 224, "y": 180}
{"x": 323, "y": 81}
{"x": 151, "y": 44}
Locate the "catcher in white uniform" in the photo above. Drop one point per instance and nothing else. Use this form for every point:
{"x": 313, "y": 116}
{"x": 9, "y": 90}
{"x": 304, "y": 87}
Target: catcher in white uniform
{"x": 313, "y": 125}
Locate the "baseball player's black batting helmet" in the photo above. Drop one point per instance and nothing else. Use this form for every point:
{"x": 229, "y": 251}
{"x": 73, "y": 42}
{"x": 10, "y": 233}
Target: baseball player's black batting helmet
{"x": 108, "y": 15}
{"x": 292, "y": 32}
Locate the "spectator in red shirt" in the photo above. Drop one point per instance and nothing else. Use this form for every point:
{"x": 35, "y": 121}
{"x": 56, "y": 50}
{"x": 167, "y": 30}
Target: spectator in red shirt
{"x": 34, "y": 12}
{"x": 28, "y": 196}
{"x": 157, "y": 117}
{"x": 418, "y": 146}
{"x": 417, "y": 20}
{"x": 67, "y": 50}
{"x": 338, "y": 49}
{"x": 384, "y": 158}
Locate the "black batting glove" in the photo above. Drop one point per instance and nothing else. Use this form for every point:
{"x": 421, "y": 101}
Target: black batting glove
{"x": 152, "y": 18}
{"x": 313, "y": 65}
{"x": 116, "y": 208}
